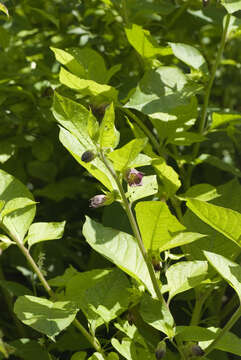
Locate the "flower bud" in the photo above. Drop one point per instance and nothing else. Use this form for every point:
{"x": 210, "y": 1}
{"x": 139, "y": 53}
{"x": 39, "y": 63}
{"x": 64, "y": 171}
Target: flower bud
{"x": 87, "y": 156}
{"x": 98, "y": 201}
{"x": 160, "y": 350}
{"x": 134, "y": 177}
{"x": 196, "y": 350}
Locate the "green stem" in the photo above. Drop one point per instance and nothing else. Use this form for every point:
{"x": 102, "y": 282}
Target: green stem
{"x": 200, "y": 299}
{"x": 226, "y": 328}
{"x": 93, "y": 341}
{"x": 143, "y": 127}
{"x": 202, "y": 122}
{"x": 226, "y": 310}
{"x": 135, "y": 229}
{"x": 179, "y": 12}
{"x": 201, "y": 126}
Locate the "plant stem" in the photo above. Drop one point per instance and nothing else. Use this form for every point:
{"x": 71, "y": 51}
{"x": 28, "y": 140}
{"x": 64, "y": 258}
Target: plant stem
{"x": 135, "y": 229}
{"x": 201, "y": 126}
{"x": 93, "y": 341}
{"x": 200, "y": 299}
{"x": 143, "y": 127}
{"x": 233, "y": 303}
{"x": 226, "y": 328}
{"x": 179, "y": 12}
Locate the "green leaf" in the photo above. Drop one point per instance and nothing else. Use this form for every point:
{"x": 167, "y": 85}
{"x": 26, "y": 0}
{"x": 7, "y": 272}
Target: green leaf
{"x": 224, "y": 220}
{"x": 96, "y": 356}
{"x": 167, "y": 175}
{"x": 14, "y": 288}
{"x": 45, "y": 171}
{"x": 45, "y": 15}
{"x": 219, "y": 119}
{"x": 16, "y": 204}
{"x": 43, "y": 315}
{"x": 74, "y": 117}
{"x": 218, "y": 163}
{"x": 62, "y": 280}
{"x": 7, "y": 150}
{"x": 109, "y": 136}
{"x": 164, "y": 94}
{"x": 124, "y": 157}
{"x": 229, "y": 342}
{"x": 231, "y": 5}
{"x": 27, "y": 349}
{"x": 131, "y": 350}
{"x": 90, "y": 291}
{"x": 214, "y": 241}
{"x": 4, "y": 9}
{"x": 143, "y": 43}
{"x": 204, "y": 192}
{"x": 156, "y": 224}
{"x": 185, "y": 275}
{"x": 18, "y": 221}
{"x": 85, "y": 63}
{"x": 190, "y": 56}
{"x": 229, "y": 270}
{"x": 80, "y": 355}
{"x": 120, "y": 248}
{"x": 149, "y": 187}
{"x": 42, "y": 149}
{"x": 157, "y": 315}
{"x": 184, "y": 138}
{"x": 88, "y": 87}
{"x": 180, "y": 239}
{"x": 45, "y": 231}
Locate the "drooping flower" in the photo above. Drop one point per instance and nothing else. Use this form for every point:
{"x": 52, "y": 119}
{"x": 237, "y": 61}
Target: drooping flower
{"x": 98, "y": 201}
{"x": 87, "y": 156}
{"x": 134, "y": 177}
{"x": 160, "y": 350}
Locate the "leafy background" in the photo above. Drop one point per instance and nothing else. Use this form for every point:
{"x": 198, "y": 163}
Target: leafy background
{"x": 30, "y": 149}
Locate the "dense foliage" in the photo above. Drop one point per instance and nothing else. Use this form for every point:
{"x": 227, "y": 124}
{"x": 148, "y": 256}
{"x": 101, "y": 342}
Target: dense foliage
{"x": 120, "y": 195}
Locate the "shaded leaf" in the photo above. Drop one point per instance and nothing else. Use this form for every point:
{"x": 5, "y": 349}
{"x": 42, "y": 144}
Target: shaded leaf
{"x": 120, "y": 248}
{"x": 149, "y": 187}
{"x": 43, "y": 315}
{"x": 185, "y": 275}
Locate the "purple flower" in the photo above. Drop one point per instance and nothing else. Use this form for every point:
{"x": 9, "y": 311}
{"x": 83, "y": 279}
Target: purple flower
{"x": 98, "y": 201}
{"x": 134, "y": 177}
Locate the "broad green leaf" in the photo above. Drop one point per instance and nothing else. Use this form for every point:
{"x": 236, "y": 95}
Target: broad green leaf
{"x": 164, "y": 94}
{"x": 42, "y": 149}
{"x": 5, "y": 242}
{"x": 7, "y": 150}
{"x": 62, "y": 280}
{"x": 131, "y": 350}
{"x": 156, "y": 224}
{"x": 27, "y": 349}
{"x": 228, "y": 269}
{"x": 234, "y": 29}
{"x": 149, "y": 187}
{"x": 120, "y": 248}
{"x": 231, "y": 5}
{"x": 190, "y": 56}
{"x": 109, "y": 136}
{"x": 180, "y": 239}
{"x": 224, "y": 220}
{"x": 88, "y": 87}
{"x": 185, "y": 138}
{"x": 214, "y": 241}
{"x": 16, "y": 204}
{"x": 16, "y": 222}
{"x": 85, "y": 63}
{"x": 157, "y": 315}
{"x": 74, "y": 117}
{"x": 96, "y": 356}
{"x": 45, "y": 231}
{"x": 228, "y": 343}
{"x": 4, "y": 9}
{"x": 219, "y": 119}
{"x": 90, "y": 291}
{"x": 167, "y": 175}
{"x": 143, "y": 42}
{"x": 124, "y": 157}
{"x": 185, "y": 275}
{"x": 204, "y": 192}
{"x": 80, "y": 355}
{"x": 112, "y": 356}
{"x": 14, "y": 288}
{"x": 45, "y": 15}
{"x": 43, "y": 315}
